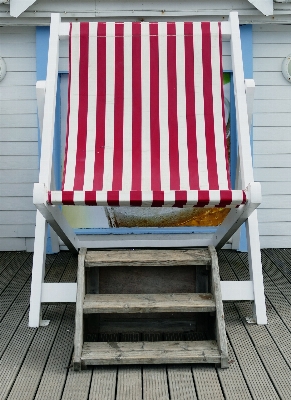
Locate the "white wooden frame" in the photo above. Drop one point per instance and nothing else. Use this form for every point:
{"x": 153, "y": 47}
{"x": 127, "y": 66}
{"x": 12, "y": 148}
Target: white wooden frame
{"x": 249, "y": 290}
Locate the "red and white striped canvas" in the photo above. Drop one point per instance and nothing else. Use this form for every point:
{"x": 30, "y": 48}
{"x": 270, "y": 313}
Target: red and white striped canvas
{"x": 145, "y": 123}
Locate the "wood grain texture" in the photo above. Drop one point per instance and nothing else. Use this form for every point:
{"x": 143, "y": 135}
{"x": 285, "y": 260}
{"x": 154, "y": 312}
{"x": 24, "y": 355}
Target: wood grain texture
{"x": 220, "y": 321}
{"x": 129, "y": 384}
{"x": 181, "y": 383}
{"x": 118, "y": 353}
{"x": 152, "y": 257}
{"x": 78, "y": 340}
{"x": 155, "y": 385}
{"x": 207, "y": 383}
{"x": 103, "y": 384}
{"x": 148, "y": 303}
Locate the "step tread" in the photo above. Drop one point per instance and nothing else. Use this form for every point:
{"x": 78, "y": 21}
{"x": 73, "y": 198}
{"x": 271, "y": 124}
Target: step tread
{"x": 148, "y": 303}
{"x": 150, "y": 257}
{"x": 105, "y": 353}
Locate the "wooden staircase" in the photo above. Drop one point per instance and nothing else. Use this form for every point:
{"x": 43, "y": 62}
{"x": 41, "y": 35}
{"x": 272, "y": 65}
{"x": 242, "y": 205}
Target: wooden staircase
{"x": 146, "y": 352}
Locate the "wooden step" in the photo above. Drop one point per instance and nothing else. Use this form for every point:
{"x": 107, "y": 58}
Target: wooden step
{"x": 116, "y": 353}
{"x": 151, "y": 257}
{"x": 148, "y": 303}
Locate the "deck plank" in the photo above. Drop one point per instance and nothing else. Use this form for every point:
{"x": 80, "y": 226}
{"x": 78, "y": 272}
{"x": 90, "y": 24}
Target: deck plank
{"x": 11, "y": 269}
{"x": 260, "y": 357}
{"x": 26, "y": 383}
{"x": 271, "y": 357}
{"x": 129, "y": 383}
{"x": 15, "y": 285}
{"x": 155, "y": 386}
{"x": 273, "y": 360}
{"x": 6, "y": 258}
{"x": 20, "y": 355}
{"x": 55, "y": 372}
{"x": 232, "y": 380}
{"x": 13, "y": 356}
{"x": 17, "y": 311}
{"x": 254, "y": 372}
{"x": 181, "y": 383}
{"x": 77, "y": 385}
{"x": 103, "y": 385}
{"x": 207, "y": 383}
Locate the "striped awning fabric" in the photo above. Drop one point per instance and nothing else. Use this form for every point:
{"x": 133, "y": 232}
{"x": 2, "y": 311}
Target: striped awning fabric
{"x": 145, "y": 124}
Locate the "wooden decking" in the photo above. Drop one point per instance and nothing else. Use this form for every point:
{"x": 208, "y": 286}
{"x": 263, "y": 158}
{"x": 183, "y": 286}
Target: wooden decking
{"x": 35, "y": 363}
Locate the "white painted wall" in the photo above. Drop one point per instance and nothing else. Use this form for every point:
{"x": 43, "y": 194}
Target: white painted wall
{"x": 272, "y": 133}
{"x": 18, "y": 138}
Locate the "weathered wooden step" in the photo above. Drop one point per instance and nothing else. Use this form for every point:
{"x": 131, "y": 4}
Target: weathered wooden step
{"x": 116, "y": 353}
{"x": 148, "y": 303}
{"x": 151, "y": 257}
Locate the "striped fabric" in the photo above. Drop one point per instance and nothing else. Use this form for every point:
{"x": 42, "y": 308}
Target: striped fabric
{"x": 145, "y": 123}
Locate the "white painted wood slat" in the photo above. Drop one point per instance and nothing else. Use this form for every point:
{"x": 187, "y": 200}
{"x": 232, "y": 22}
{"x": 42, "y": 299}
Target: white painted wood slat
{"x": 281, "y": 215}
{"x": 16, "y": 203}
{"x": 272, "y": 133}
{"x": 19, "y": 149}
{"x": 22, "y": 106}
{"x": 272, "y": 147}
{"x": 25, "y": 92}
{"x": 23, "y": 162}
{"x": 272, "y": 174}
{"x": 22, "y": 189}
{"x": 19, "y": 134}
{"x": 15, "y": 176}
{"x": 18, "y": 121}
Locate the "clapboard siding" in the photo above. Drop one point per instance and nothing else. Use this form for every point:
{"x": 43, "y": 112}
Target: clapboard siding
{"x": 18, "y": 139}
{"x": 19, "y": 148}
{"x": 12, "y": 134}
{"x": 272, "y": 133}
{"x": 272, "y": 106}
{"x": 18, "y": 176}
{"x": 12, "y": 190}
{"x": 17, "y": 217}
{"x": 18, "y": 93}
{"x": 16, "y": 203}
{"x": 16, "y": 231}
{"x": 272, "y": 228}
{"x": 275, "y": 215}
{"x": 267, "y": 92}
{"x": 22, "y": 162}
{"x": 276, "y": 241}
{"x": 22, "y": 106}
{"x": 273, "y": 174}
{"x": 272, "y": 147}
{"x": 276, "y": 187}
{"x": 272, "y": 160}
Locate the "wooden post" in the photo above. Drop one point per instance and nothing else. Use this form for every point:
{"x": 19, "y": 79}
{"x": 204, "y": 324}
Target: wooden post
{"x": 78, "y": 341}
{"x": 220, "y": 321}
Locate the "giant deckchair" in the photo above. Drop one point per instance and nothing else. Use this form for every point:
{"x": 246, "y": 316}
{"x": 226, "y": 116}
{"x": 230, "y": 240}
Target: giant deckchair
{"x": 145, "y": 128}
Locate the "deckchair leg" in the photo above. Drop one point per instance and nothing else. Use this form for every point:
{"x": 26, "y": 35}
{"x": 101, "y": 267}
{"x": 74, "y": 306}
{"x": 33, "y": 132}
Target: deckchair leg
{"x": 255, "y": 265}
{"x": 38, "y": 270}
